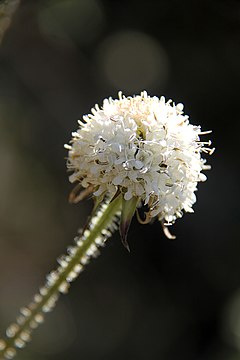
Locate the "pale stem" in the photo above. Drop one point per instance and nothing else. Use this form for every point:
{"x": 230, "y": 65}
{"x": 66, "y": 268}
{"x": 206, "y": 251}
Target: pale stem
{"x": 7, "y": 10}
{"x": 102, "y": 224}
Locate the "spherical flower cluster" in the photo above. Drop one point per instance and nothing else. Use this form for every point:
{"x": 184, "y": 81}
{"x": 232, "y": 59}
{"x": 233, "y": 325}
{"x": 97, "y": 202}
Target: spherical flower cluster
{"x": 141, "y": 147}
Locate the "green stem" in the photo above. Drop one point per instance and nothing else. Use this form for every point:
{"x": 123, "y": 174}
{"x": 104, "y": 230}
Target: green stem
{"x": 100, "y": 227}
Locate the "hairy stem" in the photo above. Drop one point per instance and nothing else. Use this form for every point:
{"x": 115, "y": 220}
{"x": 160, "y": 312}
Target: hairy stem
{"x": 100, "y": 227}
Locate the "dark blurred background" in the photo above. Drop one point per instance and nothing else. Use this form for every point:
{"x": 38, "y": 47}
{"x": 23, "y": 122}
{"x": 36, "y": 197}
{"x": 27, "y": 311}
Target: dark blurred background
{"x": 166, "y": 299}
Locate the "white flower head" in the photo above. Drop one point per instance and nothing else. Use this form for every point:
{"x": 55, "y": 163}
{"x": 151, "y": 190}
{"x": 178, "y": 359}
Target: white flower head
{"x": 143, "y": 148}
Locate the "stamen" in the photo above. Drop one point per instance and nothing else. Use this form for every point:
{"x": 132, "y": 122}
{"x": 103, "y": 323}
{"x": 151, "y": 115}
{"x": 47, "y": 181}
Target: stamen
{"x": 147, "y": 219}
{"x": 167, "y": 232}
{"x": 205, "y": 132}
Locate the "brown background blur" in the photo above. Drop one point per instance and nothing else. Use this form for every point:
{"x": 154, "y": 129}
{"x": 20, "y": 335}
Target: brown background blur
{"x": 166, "y": 299}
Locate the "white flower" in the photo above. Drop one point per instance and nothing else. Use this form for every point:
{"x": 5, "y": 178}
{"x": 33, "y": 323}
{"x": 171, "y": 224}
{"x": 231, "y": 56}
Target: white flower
{"x": 142, "y": 147}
